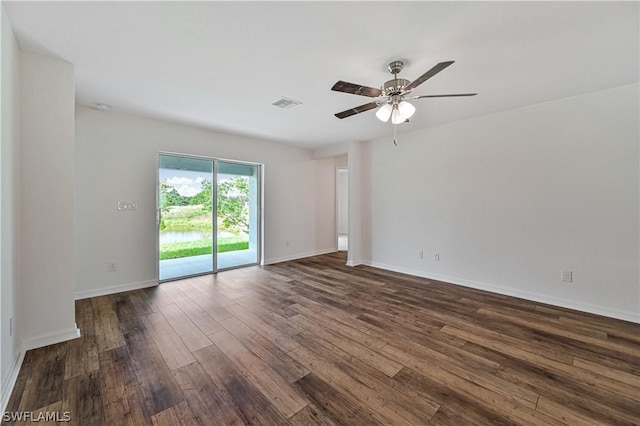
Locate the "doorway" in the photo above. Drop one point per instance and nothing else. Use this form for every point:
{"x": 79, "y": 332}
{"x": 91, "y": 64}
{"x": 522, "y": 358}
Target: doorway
{"x": 342, "y": 208}
{"x": 208, "y": 215}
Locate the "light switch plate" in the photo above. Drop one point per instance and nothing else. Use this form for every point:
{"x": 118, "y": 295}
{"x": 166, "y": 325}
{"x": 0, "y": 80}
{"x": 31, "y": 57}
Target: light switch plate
{"x": 127, "y": 205}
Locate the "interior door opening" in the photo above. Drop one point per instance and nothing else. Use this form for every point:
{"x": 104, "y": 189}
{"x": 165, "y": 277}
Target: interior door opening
{"x": 342, "y": 208}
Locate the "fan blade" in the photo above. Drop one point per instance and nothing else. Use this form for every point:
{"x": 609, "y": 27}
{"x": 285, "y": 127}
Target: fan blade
{"x": 427, "y": 75}
{"x": 356, "y": 110}
{"x": 443, "y": 96}
{"x": 356, "y": 89}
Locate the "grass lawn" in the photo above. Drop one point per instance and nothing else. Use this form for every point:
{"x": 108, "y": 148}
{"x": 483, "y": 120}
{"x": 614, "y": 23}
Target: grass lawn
{"x": 186, "y": 218}
{"x": 203, "y": 246}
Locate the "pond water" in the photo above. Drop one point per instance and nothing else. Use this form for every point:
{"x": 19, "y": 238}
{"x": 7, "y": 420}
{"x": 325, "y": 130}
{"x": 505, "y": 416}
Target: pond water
{"x": 182, "y": 236}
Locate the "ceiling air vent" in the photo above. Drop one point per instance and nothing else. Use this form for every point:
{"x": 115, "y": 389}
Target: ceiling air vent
{"x": 285, "y": 103}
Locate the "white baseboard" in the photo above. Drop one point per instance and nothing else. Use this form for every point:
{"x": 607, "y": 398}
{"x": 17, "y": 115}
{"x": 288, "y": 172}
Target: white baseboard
{"x": 85, "y": 294}
{"x": 300, "y": 256}
{"x": 28, "y": 344}
{"x": 10, "y": 382}
{"x": 535, "y": 297}
{"x": 50, "y": 338}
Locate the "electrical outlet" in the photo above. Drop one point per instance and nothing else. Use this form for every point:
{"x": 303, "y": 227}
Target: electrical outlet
{"x": 436, "y": 257}
{"x": 112, "y": 267}
{"x": 287, "y": 243}
{"x": 420, "y": 254}
{"x": 567, "y": 276}
{"x": 11, "y": 326}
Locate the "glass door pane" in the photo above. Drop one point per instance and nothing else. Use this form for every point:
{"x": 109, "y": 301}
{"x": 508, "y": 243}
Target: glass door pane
{"x": 237, "y": 202}
{"x": 185, "y": 213}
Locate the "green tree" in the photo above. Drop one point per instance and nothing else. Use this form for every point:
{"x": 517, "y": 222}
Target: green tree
{"x": 203, "y": 197}
{"x": 164, "y": 203}
{"x": 170, "y": 197}
{"x": 233, "y": 203}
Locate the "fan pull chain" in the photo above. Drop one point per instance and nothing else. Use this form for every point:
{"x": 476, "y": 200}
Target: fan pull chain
{"x": 395, "y": 140}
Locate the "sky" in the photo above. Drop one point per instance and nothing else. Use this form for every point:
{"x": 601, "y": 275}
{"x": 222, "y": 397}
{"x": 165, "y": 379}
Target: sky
{"x": 186, "y": 182}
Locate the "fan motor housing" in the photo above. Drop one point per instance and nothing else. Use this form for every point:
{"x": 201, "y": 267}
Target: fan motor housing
{"x": 395, "y": 67}
{"x": 395, "y": 86}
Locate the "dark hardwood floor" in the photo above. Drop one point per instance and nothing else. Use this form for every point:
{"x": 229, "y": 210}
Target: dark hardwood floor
{"x": 315, "y": 342}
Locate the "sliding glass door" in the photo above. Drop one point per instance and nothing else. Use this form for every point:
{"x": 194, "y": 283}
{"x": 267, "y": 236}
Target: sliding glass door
{"x": 208, "y": 215}
{"x": 237, "y": 211}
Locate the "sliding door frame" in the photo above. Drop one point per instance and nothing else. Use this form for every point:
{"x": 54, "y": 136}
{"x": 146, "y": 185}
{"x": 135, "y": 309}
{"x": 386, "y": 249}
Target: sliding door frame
{"x": 214, "y": 213}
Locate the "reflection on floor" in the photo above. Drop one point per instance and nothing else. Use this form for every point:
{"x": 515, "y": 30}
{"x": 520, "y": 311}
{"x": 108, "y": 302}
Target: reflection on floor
{"x": 184, "y": 266}
{"x": 343, "y": 242}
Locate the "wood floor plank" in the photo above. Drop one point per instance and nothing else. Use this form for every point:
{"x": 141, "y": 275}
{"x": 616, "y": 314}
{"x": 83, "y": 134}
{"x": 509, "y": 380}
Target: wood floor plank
{"x": 208, "y": 304}
{"x": 273, "y": 356}
{"x": 587, "y": 318}
{"x": 267, "y": 314}
{"x": 333, "y": 404}
{"x": 311, "y": 415}
{"x": 155, "y": 297}
{"x": 350, "y": 331}
{"x": 455, "y": 406}
{"x": 171, "y": 347}
{"x": 46, "y": 380}
{"x": 376, "y": 359}
{"x": 587, "y": 376}
{"x": 272, "y": 386}
{"x": 174, "y": 352}
{"x": 250, "y": 403}
{"x": 559, "y": 331}
{"x": 185, "y": 328}
{"x": 612, "y": 373}
{"x": 384, "y": 411}
{"x": 156, "y": 381}
{"x": 529, "y": 316}
{"x": 270, "y": 332}
{"x": 474, "y": 369}
{"x": 506, "y": 404}
{"x": 598, "y": 403}
{"x": 107, "y": 326}
{"x": 82, "y": 399}
{"x": 420, "y": 406}
{"x": 123, "y": 400}
{"x": 209, "y": 405}
{"x": 199, "y": 316}
{"x": 82, "y": 357}
{"x": 176, "y": 415}
{"x": 156, "y": 324}
{"x": 313, "y": 341}
{"x": 610, "y": 331}
{"x": 565, "y": 414}
{"x": 45, "y": 415}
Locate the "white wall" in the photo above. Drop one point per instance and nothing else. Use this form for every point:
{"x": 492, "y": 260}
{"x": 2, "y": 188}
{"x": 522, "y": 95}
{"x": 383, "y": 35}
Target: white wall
{"x": 342, "y": 199}
{"x": 116, "y": 161}
{"x": 358, "y": 248}
{"x": 9, "y": 208}
{"x": 511, "y": 199}
{"x": 47, "y": 205}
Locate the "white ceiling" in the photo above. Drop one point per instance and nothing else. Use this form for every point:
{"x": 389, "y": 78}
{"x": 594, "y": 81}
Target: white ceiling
{"x": 220, "y": 65}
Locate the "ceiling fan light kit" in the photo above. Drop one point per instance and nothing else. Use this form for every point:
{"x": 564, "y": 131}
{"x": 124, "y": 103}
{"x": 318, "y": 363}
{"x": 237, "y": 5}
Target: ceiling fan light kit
{"x": 391, "y": 98}
{"x": 405, "y": 111}
{"x": 384, "y": 112}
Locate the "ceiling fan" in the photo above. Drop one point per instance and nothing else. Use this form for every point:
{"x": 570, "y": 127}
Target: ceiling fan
{"x": 393, "y": 95}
